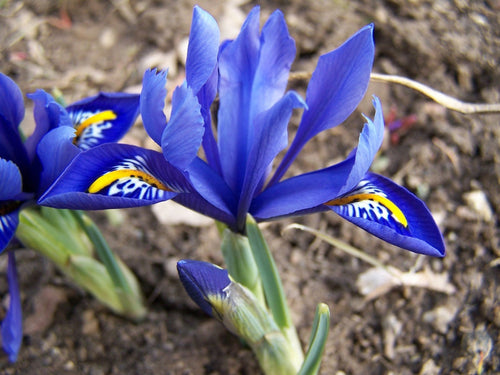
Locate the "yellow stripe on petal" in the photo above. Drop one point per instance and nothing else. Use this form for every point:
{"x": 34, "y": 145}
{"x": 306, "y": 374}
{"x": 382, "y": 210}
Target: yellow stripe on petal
{"x": 388, "y": 204}
{"x": 109, "y": 178}
{"x": 95, "y": 119}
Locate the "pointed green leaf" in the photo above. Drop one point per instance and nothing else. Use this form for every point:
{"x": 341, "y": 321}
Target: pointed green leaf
{"x": 317, "y": 341}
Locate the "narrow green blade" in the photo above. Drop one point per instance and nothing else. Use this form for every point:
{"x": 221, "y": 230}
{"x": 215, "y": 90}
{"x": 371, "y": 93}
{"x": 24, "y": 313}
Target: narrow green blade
{"x": 317, "y": 341}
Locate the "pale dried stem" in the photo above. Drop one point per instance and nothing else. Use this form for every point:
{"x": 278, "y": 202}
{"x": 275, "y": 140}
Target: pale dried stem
{"x": 440, "y": 98}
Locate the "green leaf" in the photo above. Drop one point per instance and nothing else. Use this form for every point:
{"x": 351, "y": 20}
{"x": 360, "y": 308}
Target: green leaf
{"x": 317, "y": 341}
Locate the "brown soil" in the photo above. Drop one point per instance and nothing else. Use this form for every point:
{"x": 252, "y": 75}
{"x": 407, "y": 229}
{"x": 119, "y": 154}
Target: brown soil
{"x": 453, "y": 46}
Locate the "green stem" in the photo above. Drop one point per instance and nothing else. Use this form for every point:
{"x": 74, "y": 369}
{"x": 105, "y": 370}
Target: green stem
{"x": 273, "y": 288}
{"x": 246, "y": 317}
{"x": 241, "y": 264}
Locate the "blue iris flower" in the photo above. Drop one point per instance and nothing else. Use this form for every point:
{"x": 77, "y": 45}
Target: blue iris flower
{"x": 238, "y": 174}
{"x": 28, "y": 166}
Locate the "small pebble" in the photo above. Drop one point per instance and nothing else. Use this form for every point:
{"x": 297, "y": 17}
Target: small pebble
{"x": 478, "y": 202}
{"x": 440, "y": 318}
{"x": 430, "y": 368}
{"x": 90, "y": 324}
{"x": 107, "y": 39}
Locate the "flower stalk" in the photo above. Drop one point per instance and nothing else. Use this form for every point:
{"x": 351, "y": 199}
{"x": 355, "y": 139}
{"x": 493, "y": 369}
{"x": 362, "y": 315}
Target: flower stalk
{"x": 241, "y": 264}
{"x": 262, "y": 319}
{"x": 273, "y": 288}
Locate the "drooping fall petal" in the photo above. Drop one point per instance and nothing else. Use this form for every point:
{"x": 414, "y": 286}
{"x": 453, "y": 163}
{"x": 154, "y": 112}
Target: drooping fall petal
{"x": 103, "y": 118}
{"x": 115, "y": 175}
{"x": 391, "y": 213}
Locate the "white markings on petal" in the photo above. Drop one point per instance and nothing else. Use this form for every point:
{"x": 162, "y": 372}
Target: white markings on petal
{"x": 130, "y": 178}
{"x": 91, "y": 127}
{"x": 369, "y": 202}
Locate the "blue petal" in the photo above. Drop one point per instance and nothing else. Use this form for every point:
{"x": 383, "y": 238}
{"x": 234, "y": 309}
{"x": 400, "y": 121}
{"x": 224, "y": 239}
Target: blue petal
{"x": 202, "y": 49}
{"x": 202, "y": 280}
{"x": 9, "y": 220}
{"x": 391, "y": 213}
{"x": 237, "y": 65}
{"x": 113, "y": 176}
{"x": 48, "y": 115}
{"x": 277, "y": 52}
{"x": 296, "y": 194}
{"x": 208, "y": 142}
{"x": 11, "y": 102}
{"x": 369, "y": 143}
{"x": 12, "y": 325}
{"x": 270, "y": 139}
{"x": 208, "y": 91}
{"x": 11, "y": 181}
{"x": 206, "y": 97}
{"x": 309, "y": 191}
{"x": 197, "y": 203}
{"x": 103, "y": 118}
{"x": 152, "y": 102}
{"x": 55, "y": 151}
{"x": 12, "y": 148}
{"x": 212, "y": 187}
{"x": 182, "y": 137}
{"x": 337, "y": 85}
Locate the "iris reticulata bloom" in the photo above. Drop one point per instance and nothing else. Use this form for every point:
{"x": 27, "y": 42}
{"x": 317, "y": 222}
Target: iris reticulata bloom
{"x": 28, "y": 166}
{"x": 236, "y": 177}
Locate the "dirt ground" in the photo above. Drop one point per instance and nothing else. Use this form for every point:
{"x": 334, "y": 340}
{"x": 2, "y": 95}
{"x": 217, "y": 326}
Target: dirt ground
{"x": 451, "y": 160}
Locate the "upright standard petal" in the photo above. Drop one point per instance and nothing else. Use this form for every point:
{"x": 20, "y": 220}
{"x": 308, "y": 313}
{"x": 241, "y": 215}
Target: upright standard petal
{"x": 182, "y": 137}
{"x": 209, "y": 143}
{"x": 152, "y": 102}
{"x": 203, "y": 281}
{"x": 337, "y": 85}
{"x": 237, "y": 65}
{"x": 12, "y": 325}
{"x": 269, "y": 141}
{"x": 11, "y": 102}
{"x": 55, "y": 151}
{"x": 202, "y": 75}
{"x": 391, "y": 213}
{"x": 203, "y": 48}
{"x": 113, "y": 176}
{"x": 103, "y": 118}
{"x": 48, "y": 115}
{"x": 276, "y": 55}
